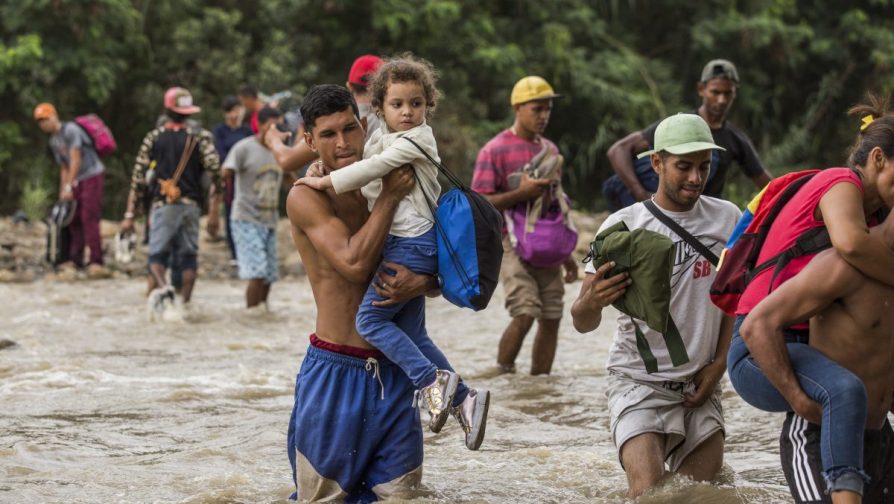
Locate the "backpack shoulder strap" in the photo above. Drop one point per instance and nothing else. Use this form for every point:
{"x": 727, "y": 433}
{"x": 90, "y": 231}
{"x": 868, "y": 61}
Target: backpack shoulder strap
{"x": 763, "y": 229}
{"x": 83, "y": 130}
{"x": 443, "y": 169}
{"x": 685, "y": 235}
{"x": 188, "y": 147}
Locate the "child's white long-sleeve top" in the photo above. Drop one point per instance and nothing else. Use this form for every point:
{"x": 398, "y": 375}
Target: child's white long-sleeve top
{"x": 385, "y": 151}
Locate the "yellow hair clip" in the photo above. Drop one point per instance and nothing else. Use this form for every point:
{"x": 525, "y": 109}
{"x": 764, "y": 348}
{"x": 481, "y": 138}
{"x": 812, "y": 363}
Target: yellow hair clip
{"x": 867, "y": 120}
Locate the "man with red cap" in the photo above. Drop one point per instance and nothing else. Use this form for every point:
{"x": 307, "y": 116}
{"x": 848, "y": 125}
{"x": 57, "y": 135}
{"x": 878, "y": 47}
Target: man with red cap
{"x": 358, "y": 83}
{"x": 295, "y": 157}
{"x": 80, "y": 180}
{"x": 169, "y": 165}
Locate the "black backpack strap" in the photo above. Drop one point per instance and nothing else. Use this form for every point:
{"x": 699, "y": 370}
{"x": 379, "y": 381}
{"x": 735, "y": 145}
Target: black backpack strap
{"x": 764, "y": 229}
{"x": 451, "y": 251}
{"x": 812, "y": 241}
{"x": 443, "y": 169}
{"x": 682, "y": 233}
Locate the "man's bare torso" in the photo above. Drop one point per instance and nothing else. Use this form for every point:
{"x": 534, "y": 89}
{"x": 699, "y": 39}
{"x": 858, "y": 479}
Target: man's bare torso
{"x": 336, "y": 297}
{"x": 857, "y": 331}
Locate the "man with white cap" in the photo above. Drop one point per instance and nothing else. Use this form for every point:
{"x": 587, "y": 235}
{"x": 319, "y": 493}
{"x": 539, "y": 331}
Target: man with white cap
{"x": 663, "y": 393}
{"x": 176, "y": 155}
{"x": 532, "y": 293}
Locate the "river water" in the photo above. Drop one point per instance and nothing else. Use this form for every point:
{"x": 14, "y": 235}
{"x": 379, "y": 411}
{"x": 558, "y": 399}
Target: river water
{"x": 97, "y": 405}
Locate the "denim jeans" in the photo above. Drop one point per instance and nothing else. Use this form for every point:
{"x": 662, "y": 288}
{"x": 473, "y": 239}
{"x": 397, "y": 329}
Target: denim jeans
{"x": 398, "y": 330}
{"x": 841, "y": 394}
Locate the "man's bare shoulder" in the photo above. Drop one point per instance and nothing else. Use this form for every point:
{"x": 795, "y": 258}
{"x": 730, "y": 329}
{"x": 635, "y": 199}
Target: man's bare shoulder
{"x": 306, "y": 206}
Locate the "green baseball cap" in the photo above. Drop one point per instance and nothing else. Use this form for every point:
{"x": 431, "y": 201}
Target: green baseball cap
{"x": 682, "y": 134}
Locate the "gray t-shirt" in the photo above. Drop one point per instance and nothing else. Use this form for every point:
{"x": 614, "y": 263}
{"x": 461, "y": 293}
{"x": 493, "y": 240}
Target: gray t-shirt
{"x": 710, "y": 221}
{"x": 71, "y": 136}
{"x": 258, "y": 179}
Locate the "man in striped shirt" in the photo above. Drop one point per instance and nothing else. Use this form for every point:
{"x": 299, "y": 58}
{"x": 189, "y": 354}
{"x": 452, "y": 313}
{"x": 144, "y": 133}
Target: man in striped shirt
{"x": 531, "y": 293}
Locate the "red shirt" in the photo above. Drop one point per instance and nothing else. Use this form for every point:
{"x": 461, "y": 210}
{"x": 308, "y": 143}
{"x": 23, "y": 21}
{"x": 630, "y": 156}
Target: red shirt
{"x": 503, "y": 155}
{"x": 795, "y": 218}
{"x": 254, "y": 121}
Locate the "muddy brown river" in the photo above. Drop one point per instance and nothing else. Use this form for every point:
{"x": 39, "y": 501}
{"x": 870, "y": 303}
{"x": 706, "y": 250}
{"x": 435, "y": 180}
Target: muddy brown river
{"x": 99, "y": 406}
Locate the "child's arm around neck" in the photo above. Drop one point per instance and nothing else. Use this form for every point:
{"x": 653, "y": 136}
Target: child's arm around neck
{"x": 396, "y": 152}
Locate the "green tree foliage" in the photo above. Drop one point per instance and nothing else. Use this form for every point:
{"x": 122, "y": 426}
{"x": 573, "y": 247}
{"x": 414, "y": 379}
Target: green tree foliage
{"x": 619, "y": 66}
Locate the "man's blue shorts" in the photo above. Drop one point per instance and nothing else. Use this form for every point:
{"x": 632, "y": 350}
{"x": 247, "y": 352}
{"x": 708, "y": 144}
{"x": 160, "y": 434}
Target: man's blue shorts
{"x": 354, "y": 433}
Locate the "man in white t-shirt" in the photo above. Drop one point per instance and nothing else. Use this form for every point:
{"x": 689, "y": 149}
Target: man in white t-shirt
{"x": 662, "y": 413}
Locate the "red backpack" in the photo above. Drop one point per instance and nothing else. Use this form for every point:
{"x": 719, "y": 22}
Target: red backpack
{"x": 99, "y": 133}
{"x": 738, "y": 261}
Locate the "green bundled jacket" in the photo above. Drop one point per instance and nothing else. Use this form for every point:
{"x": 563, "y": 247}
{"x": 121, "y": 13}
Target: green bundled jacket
{"x": 648, "y": 257}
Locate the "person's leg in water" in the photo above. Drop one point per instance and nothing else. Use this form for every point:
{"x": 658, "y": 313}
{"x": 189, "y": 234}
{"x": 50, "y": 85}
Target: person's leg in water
{"x": 545, "y": 342}
{"x": 187, "y": 244}
{"x": 164, "y": 221}
{"x": 271, "y": 266}
{"x": 551, "y": 293}
{"x": 512, "y": 340}
{"x": 176, "y": 270}
{"x": 228, "y": 207}
{"x": 256, "y": 250}
{"x": 376, "y": 325}
{"x": 173, "y": 265}
{"x": 256, "y": 292}
{"x": 841, "y": 394}
{"x": 531, "y": 294}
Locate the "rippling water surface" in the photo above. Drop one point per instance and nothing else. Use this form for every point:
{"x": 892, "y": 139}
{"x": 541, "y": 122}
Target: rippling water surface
{"x": 97, "y": 405}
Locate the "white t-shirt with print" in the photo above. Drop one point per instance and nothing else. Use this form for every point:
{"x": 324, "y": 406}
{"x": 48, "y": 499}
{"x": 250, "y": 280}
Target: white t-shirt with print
{"x": 711, "y": 221}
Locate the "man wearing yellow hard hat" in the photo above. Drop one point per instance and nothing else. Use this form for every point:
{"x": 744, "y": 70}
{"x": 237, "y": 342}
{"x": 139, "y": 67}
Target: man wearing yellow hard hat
{"x": 519, "y": 172}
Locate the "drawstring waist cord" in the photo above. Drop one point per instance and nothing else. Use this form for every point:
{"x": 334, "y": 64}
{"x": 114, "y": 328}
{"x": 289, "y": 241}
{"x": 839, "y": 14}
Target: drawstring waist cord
{"x": 373, "y": 365}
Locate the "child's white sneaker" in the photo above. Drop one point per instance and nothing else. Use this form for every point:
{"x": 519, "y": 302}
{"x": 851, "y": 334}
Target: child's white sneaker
{"x": 472, "y": 416}
{"x": 438, "y": 397}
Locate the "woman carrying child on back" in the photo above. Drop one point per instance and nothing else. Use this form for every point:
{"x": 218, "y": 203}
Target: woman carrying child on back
{"x": 787, "y": 374}
{"x": 404, "y": 95}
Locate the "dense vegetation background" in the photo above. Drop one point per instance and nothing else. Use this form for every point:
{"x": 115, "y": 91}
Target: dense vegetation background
{"x": 619, "y": 64}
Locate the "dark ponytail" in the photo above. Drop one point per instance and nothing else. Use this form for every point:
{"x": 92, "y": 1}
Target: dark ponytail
{"x": 876, "y": 130}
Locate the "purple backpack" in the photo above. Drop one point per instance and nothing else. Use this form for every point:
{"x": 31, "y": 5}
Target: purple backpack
{"x": 541, "y": 230}
{"x": 549, "y": 243}
{"x": 99, "y": 133}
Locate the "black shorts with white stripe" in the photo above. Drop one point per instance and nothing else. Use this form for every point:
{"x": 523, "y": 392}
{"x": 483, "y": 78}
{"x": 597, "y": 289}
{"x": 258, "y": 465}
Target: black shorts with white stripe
{"x": 799, "y": 449}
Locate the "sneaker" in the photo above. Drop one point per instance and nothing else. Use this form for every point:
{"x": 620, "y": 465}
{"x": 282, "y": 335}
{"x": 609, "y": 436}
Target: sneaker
{"x": 437, "y": 398}
{"x": 472, "y": 416}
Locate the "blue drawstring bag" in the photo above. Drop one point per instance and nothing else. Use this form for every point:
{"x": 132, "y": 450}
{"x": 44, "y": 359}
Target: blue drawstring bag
{"x": 470, "y": 242}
